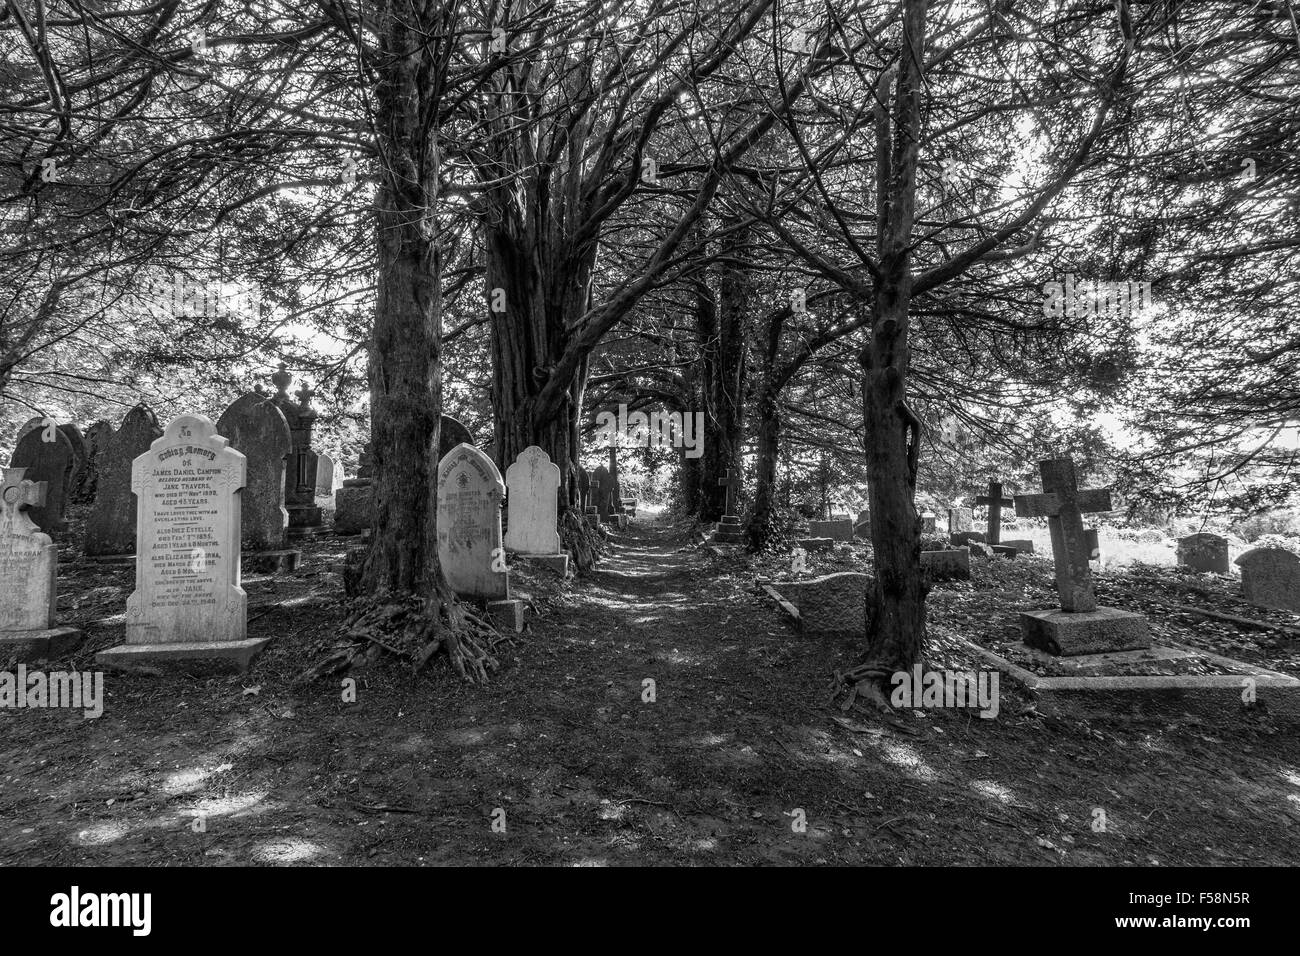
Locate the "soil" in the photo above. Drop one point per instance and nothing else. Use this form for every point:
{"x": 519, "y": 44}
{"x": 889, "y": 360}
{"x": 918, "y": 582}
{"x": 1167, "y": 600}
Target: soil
{"x": 737, "y": 757}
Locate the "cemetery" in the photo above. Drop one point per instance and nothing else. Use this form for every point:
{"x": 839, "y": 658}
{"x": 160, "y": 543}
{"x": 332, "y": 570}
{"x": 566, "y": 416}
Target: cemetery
{"x": 573, "y": 485}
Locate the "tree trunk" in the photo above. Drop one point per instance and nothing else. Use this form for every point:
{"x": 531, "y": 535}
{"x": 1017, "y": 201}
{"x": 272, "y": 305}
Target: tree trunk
{"x": 406, "y": 347}
{"x": 760, "y": 525}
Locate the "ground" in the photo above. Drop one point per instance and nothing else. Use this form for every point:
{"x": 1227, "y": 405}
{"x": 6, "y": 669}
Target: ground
{"x": 738, "y": 746}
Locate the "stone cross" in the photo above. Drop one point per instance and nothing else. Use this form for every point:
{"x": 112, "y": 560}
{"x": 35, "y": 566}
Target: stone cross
{"x": 731, "y": 481}
{"x": 996, "y": 502}
{"x": 17, "y": 493}
{"x": 1064, "y": 505}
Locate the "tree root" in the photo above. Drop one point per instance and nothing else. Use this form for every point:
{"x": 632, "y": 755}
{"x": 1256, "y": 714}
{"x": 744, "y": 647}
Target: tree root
{"x": 586, "y": 543}
{"x": 405, "y": 627}
{"x": 867, "y": 681}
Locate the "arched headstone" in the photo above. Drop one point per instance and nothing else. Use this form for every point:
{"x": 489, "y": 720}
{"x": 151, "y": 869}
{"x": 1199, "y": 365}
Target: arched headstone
{"x": 470, "y": 490}
{"x": 1204, "y": 552}
{"x": 533, "y": 482}
{"x": 47, "y": 456}
{"x": 110, "y": 530}
{"x": 256, "y": 428}
{"x": 1270, "y": 577}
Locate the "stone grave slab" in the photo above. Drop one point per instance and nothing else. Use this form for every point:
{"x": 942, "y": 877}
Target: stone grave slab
{"x": 832, "y": 606}
{"x": 952, "y": 565}
{"x": 817, "y": 544}
{"x": 837, "y": 529}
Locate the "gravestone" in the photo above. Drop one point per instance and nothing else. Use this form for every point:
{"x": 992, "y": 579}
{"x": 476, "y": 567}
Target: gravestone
{"x": 832, "y": 606}
{"x": 964, "y": 539}
{"x": 324, "y": 475}
{"x": 1092, "y": 541}
{"x": 1270, "y": 577}
{"x": 300, "y": 473}
{"x": 602, "y": 490}
{"x": 256, "y": 428}
{"x": 995, "y": 502}
{"x": 1080, "y": 626}
{"x": 188, "y": 606}
{"x": 584, "y": 490}
{"x": 532, "y": 509}
{"x": 77, "y": 478}
{"x": 862, "y": 526}
{"x": 837, "y": 529}
{"x": 98, "y": 437}
{"x": 948, "y": 565}
{"x": 111, "y": 527}
{"x": 928, "y": 524}
{"x": 39, "y": 421}
{"x": 470, "y": 490}
{"x": 959, "y": 520}
{"x": 729, "y": 530}
{"x": 46, "y": 455}
{"x": 1204, "y": 552}
{"x": 29, "y": 562}
{"x": 817, "y": 544}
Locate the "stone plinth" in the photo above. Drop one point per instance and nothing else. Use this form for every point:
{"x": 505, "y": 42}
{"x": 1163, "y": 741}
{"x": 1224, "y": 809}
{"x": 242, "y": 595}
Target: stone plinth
{"x": 833, "y": 606}
{"x": 1069, "y": 634}
{"x": 947, "y": 565}
{"x": 837, "y": 529}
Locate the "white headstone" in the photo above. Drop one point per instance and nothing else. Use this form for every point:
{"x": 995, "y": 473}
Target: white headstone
{"x": 324, "y": 475}
{"x": 470, "y": 490}
{"x": 187, "y": 532}
{"x": 532, "y": 509}
{"x": 28, "y": 558}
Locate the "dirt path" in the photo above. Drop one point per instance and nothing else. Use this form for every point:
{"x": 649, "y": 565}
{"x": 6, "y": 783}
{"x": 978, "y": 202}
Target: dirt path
{"x": 567, "y": 748}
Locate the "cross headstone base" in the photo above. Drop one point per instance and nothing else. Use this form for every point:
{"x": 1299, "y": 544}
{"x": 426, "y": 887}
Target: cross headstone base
{"x": 1069, "y": 634}
{"x": 352, "y": 508}
{"x": 216, "y": 657}
{"x": 729, "y": 531}
{"x": 46, "y": 644}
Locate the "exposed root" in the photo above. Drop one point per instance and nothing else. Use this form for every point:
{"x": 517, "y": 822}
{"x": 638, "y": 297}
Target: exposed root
{"x": 586, "y": 543}
{"x": 406, "y": 628}
{"x": 866, "y": 681}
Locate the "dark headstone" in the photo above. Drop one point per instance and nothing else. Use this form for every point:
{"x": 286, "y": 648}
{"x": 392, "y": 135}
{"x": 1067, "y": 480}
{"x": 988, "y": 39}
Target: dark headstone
{"x": 947, "y": 565}
{"x": 111, "y": 528}
{"x": 1270, "y": 577}
{"x": 602, "y": 491}
{"x": 450, "y": 434}
{"x": 98, "y": 437}
{"x": 837, "y": 529}
{"x": 833, "y": 606}
{"x": 1204, "y": 552}
{"x": 584, "y": 489}
{"x": 47, "y": 455}
{"x": 76, "y": 480}
{"x": 254, "y": 426}
{"x": 300, "y": 475}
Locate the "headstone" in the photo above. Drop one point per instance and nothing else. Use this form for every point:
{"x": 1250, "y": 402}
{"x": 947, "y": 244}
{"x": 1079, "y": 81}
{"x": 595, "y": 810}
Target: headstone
{"x": 47, "y": 456}
{"x": 256, "y": 428}
{"x": 837, "y": 529}
{"x": 959, "y": 519}
{"x": 928, "y": 522}
{"x": 188, "y": 605}
{"x": 832, "y": 606}
{"x": 77, "y": 478}
{"x": 602, "y": 490}
{"x": 966, "y": 538}
{"x": 470, "y": 490}
{"x": 29, "y": 562}
{"x": 817, "y": 544}
{"x": 324, "y": 475}
{"x": 947, "y": 565}
{"x": 300, "y": 475}
{"x": 584, "y": 489}
{"x": 533, "y": 485}
{"x": 1270, "y": 577}
{"x": 731, "y": 481}
{"x": 1204, "y": 552}
{"x": 1092, "y": 542}
{"x": 111, "y": 527}
{"x": 98, "y": 437}
{"x": 1080, "y": 626}
{"x": 862, "y": 526}
{"x": 995, "y": 502}
{"x": 39, "y": 421}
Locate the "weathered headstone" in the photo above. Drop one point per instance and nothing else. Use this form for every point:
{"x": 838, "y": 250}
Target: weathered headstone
{"x": 1080, "y": 626}
{"x": 1204, "y": 552}
{"x": 98, "y": 437}
{"x": 111, "y": 527}
{"x": 47, "y": 456}
{"x": 324, "y": 475}
{"x": 832, "y": 606}
{"x": 862, "y": 526}
{"x": 1270, "y": 577}
{"x": 951, "y": 564}
{"x": 959, "y": 519}
{"x": 470, "y": 490}
{"x": 256, "y": 428}
{"x": 602, "y": 490}
{"x": 188, "y": 605}
{"x": 532, "y": 509}
{"x": 928, "y": 523}
{"x": 837, "y": 529}
{"x": 995, "y": 502}
{"x": 77, "y": 477}
{"x": 39, "y": 421}
{"x": 584, "y": 490}
{"x": 29, "y": 562}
